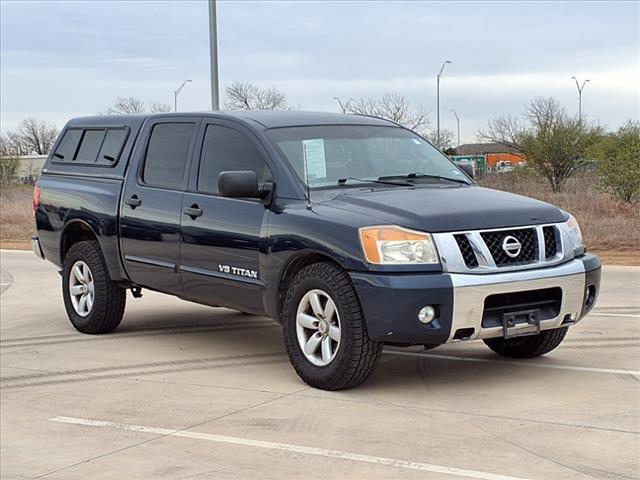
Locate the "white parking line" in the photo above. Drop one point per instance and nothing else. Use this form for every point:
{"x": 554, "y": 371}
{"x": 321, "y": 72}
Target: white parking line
{"x": 520, "y": 364}
{"x": 288, "y": 447}
{"x": 599, "y": 314}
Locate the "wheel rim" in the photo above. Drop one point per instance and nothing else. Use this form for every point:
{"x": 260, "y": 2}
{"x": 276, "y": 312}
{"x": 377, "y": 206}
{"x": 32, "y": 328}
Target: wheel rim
{"x": 318, "y": 327}
{"x": 81, "y": 288}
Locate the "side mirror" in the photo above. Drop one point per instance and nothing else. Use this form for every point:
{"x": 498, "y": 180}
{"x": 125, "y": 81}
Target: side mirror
{"x": 240, "y": 183}
{"x": 467, "y": 168}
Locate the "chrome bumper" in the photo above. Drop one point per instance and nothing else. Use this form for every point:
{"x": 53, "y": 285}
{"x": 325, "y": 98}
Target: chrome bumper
{"x": 35, "y": 246}
{"x": 470, "y": 292}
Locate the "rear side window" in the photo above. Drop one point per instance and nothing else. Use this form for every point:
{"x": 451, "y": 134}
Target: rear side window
{"x": 226, "y": 149}
{"x": 112, "y": 146}
{"x": 91, "y": 146}
{"x": 68, "y": 146}
{"x": 166, "y": 158}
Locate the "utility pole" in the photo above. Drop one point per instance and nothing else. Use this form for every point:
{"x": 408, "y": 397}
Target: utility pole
{"x": 438, "y": 103}
{"x": 457, "y": 120}
{"x": 177, "y": 92}
{"x": 580, "y": 88}
{"x": 213, "y": 50}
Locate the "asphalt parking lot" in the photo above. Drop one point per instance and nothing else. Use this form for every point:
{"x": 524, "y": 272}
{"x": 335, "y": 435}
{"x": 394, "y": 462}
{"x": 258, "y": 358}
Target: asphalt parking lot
{"x": 182, "y": 391}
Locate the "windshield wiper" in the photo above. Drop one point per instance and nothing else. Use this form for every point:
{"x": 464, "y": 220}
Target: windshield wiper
{"x": 379, "y": 181}
{"x": 424, "y": 175}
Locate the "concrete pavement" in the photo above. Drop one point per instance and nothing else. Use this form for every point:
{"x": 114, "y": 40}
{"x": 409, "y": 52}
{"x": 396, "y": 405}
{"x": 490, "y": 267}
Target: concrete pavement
{"x": 183, "y": 391}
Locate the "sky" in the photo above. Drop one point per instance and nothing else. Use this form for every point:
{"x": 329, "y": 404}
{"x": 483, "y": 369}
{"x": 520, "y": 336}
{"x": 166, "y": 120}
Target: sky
{"x": 66, "y": 59}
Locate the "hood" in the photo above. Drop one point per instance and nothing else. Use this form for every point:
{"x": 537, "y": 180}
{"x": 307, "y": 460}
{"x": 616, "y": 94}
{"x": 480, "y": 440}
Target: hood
{"x": 448, "y": 209}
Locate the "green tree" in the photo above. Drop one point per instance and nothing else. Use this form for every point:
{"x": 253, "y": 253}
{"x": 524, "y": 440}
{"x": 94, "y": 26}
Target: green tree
{"x": 553, "y": 143}
{"x": 618, "y": 160}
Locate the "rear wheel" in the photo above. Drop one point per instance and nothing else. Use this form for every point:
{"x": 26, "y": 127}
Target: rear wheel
{"x": 324, "y": 329}
{"x": 529, "y": 346}
{"x": 94, "y": 303}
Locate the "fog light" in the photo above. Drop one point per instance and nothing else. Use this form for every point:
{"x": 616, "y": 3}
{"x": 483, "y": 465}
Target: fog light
{"x": 426, "y": 314}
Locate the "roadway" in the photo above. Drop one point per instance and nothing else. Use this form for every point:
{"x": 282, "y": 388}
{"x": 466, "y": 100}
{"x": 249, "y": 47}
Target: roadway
{"x": 183, "y": 391}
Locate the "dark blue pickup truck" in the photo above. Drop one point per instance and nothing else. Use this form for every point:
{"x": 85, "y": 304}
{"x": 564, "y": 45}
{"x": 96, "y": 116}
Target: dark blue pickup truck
{"x": 350, "y": 231}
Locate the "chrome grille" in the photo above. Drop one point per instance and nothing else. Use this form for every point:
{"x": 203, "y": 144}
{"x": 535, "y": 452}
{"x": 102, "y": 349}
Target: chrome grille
{"x": 550, "y": 242}
{"x": 529, "y": 246}
{"x": 466, "y": 249}
{"x": 483, "y": 251}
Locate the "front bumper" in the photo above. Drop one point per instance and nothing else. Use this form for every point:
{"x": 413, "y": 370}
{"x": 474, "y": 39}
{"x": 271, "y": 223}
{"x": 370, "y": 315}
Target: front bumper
{"x": 391, "y": 302}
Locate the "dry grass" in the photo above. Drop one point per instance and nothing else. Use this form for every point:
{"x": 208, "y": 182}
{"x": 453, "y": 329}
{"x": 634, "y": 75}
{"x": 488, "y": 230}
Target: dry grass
{"x": 16, "y": 221}
{"x": 606, "y": 223}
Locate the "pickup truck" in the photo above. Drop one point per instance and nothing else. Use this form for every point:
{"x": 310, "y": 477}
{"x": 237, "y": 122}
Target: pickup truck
{"x": 350, "y": 231}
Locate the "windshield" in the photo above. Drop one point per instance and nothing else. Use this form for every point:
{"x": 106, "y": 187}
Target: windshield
{"x": 329, "y": 155}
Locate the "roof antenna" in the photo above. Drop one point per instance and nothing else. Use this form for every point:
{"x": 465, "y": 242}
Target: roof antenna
{"x": 306, "y": 174}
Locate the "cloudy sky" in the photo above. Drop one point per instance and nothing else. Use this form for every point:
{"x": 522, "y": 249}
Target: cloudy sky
{"x": 64, "y": 59}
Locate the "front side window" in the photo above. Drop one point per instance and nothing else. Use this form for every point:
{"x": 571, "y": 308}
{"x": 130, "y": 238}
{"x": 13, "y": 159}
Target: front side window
{"x": 167, "y": 152}
{"x": 329, "y": 155}
{"x": 226, "y": 149}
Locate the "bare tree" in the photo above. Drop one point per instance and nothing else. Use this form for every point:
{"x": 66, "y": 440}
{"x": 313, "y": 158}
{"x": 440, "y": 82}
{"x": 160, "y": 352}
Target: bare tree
{"x": 394, "y": 107}
{"x": 127, "y": 106}
{"x": 11, "y": 145}
{"x": 156, "y": 107}
{"x": 447, "y": 139}
{"x": 133, "y": 105}
{"x": 247, "y": 96}
{"x": 35, "y": 136}
{"x": 506, "y": 130}
{"x": 554, "y": 143}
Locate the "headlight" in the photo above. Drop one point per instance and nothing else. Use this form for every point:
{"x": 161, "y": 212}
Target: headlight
{"x": 573, "y": 229}
{"x": 392, "y": 245}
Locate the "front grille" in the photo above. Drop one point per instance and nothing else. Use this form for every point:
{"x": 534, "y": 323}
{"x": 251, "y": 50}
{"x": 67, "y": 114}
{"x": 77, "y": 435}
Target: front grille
{"x": 528, "y": 251}
{"x": 466, "y": 250}
{"x": 550, "y": 242}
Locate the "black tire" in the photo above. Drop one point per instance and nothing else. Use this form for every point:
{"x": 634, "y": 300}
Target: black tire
{"x": 356, "y": 356}
{"x": 530, "y": 346}
{"x": 109, "y": 299}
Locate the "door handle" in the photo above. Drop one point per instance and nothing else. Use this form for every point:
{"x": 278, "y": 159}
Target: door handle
{"x": 133, "y": 201}
{"x": 194, "y": 211}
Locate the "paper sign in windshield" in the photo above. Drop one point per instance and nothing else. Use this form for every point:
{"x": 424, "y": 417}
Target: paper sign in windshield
{"x": 315, "y": 164}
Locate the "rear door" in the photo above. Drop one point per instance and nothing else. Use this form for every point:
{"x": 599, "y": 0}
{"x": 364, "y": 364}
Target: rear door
{"x": 224, "y": 239}
{"x": 151, "y": 206}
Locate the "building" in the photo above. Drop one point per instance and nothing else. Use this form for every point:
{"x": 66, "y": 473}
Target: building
{"x": 29, "y": 166}
{"x": 492, "y": 153}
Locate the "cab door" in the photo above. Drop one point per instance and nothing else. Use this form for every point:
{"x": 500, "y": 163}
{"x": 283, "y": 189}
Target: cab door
{"x": 224, "y": 240}
{"x": 151, "y": 206}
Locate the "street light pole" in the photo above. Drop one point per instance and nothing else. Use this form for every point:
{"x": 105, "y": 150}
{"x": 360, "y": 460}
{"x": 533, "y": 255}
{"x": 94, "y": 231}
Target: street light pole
{"x": 438, "y": 103}
{"x": 213, "y": 53}
{"x": 457, "y": 120}
{"x": 177, "y": 92}
{"x": 580, "y": 88}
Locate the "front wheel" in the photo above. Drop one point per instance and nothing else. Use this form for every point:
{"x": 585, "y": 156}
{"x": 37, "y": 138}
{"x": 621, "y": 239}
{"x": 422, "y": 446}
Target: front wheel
{"x": 529, "y": 346}
{"x": 324, "y": 330}
{"x": 94, "y": 303}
